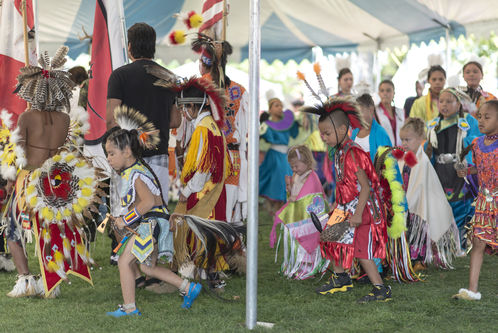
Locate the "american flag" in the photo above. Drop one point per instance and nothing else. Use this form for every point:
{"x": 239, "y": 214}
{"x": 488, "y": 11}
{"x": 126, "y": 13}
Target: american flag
{"x": 12, "y": 52}
{"x": 212, "y": 12}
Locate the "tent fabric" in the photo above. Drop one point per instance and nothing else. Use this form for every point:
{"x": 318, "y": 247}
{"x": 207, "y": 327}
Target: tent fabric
{"x": 289, "y": 28}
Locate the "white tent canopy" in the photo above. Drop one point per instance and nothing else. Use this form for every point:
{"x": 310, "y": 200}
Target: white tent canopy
{"x": 289, "y": 28}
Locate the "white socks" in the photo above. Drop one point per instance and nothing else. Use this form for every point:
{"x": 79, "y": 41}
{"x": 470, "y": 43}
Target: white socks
{"x": 467, "y": 295}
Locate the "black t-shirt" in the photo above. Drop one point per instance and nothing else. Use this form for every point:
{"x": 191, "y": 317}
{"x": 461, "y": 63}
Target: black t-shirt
{"x": 135, "y": 88}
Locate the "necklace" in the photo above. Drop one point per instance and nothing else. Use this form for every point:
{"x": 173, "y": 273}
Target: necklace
{"x": 491, "y": 137}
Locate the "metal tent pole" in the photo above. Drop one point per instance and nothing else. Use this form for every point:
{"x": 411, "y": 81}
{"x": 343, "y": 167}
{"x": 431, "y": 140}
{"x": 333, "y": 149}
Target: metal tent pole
{"x": 253, "y": 143}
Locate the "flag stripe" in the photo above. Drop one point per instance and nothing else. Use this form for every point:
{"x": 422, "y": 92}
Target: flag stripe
{"x": 212, "y": 12}
{"x": 100, "y": 70}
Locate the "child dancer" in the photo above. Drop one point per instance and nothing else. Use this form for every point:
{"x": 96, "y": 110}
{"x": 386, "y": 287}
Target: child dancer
{"x": 432, "y": 231}
{"x": 449, "y": 134}
{"x": 144, "y": 211}
{"x": 484, "y": 231}
{"x": 277, "y": 131}
{"x": 302, "y": 257}
{"x": 357, "y": 227}
{"x": 372, "y": 136}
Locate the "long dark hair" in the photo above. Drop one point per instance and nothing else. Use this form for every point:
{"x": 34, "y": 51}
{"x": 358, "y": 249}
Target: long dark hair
{"x": 367, "y": 101}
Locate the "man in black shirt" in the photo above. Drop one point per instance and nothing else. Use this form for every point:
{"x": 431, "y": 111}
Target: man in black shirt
{"x": 132, "y": 86}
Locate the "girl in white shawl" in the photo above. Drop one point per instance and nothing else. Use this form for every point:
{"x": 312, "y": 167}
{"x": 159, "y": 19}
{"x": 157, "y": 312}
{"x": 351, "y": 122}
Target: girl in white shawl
{"x": 433, "y": 234}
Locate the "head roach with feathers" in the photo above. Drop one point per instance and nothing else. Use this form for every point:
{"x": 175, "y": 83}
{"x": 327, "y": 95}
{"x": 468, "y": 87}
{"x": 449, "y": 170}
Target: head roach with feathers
{"x": 134, "y": 131}
{"x": 47, "y": 87}
{"x": 201, "y": 92}
{"x": 339, "y": 110}
{"x": 213, "y": 55}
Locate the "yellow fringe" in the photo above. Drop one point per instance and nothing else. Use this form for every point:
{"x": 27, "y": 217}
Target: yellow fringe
{"x": 191, "y": 164}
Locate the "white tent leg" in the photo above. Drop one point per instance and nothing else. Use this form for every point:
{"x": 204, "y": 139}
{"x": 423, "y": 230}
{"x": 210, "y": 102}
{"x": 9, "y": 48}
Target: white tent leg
{"x": 253, "y": 168}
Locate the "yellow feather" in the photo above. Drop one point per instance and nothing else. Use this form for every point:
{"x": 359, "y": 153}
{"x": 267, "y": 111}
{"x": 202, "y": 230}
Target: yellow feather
{"x": 66, "y": 212}
{"x": 47, "y": 213}
{"x": 69, "y": 158}
{"x": 87, "y": 191}
{"x": 52, "y": 266}
{"x": 33, "y": 201}
{"x": 82, "y": 202}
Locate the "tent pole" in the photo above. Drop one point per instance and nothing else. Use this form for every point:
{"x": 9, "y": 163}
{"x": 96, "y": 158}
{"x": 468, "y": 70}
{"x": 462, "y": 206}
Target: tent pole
{"x": 253, "y": 169}
{"x": 124, "y": 34}
{"x": 25, "y": 35}
{"x": 448, "y": 51}
{"x": 224, "y": 32}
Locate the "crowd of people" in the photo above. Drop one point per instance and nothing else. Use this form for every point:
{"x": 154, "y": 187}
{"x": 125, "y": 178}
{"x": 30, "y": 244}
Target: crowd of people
{"x": 368, "y": 190}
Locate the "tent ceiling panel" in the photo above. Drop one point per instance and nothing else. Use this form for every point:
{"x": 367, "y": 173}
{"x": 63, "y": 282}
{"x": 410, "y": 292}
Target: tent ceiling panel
{"x": 290, "y": 28}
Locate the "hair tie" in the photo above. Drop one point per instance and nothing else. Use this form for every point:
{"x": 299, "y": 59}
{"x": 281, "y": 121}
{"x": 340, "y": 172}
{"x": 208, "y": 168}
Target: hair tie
{"x": 298, "y": 155}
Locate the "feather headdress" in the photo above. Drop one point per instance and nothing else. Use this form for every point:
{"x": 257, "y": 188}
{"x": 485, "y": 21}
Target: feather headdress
{"x": 46, "y": 87}
{"x": 432, "y": 60}
{"x": 345, "y": 104}
{"x": 462, "y": 98}
{"x": 130, "y": 119}
{"x": 188, "y": 93}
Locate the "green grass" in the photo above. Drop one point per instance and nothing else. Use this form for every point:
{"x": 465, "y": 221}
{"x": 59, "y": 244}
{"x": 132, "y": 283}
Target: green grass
{"x": 291, "y": 305}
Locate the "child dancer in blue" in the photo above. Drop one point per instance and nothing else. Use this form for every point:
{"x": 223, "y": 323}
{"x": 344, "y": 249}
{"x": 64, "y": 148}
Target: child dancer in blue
{"x": 449, "y": 134}
{"x": 144, "y": 222}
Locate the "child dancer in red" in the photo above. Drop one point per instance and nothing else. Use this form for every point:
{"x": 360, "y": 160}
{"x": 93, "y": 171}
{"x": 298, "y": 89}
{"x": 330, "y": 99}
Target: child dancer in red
{"x": 357, "y": 227}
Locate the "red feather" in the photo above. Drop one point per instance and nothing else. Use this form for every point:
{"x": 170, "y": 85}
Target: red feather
{"x": 410, "y": 159}
{"x": 398, "y": 153}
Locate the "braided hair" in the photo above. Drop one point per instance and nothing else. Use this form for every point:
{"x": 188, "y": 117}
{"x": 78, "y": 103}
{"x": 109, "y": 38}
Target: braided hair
{"x": 123, "y": 138}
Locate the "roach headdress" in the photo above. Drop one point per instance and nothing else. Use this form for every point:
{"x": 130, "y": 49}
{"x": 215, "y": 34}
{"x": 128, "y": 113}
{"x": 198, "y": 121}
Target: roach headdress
{"x": 46, "y": 87}
{"x": 130, "y": 119}
{"x": 201, "y": 92}
{"x": 345, "y": 104}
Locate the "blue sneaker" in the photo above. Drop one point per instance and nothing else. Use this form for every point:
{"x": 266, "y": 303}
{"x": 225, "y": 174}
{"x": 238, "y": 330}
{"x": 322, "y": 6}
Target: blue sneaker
{"x": 194, "y": 290}
{"x": 121, "y": 313}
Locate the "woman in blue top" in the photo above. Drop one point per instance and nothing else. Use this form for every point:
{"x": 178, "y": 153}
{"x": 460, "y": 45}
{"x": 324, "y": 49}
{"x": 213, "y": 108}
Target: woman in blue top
{"x": 372, "y": 137}
{"x": 277, "y": 130}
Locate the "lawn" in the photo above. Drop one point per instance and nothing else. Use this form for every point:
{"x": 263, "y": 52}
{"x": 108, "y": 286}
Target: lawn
{"x": 292, "y": 305}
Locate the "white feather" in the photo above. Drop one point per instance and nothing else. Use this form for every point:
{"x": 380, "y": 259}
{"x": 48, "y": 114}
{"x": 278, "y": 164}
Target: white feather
{"x": 8, "y": 172}
{"x": 342, "y": 62}
{"x": 6, "y": 118}
{"x": 15, "y": 136}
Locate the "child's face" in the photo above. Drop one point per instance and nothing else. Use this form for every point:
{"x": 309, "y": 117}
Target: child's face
{"x": 298, "y": 167}
{"x": 386, "y": 93}
{"x": 276, "y": 110}
{"x": 368, "y": 113}
{"x": 117, "y": 158}
{"x": 472, "y": 75}
{"x": 328, "y": 133}
{"x": 487, "y": 118}
{"x": 448, "y": 104}
{"x": 190, "y": 111}
{"x": 437, "y": 81}
{"x": 410, "y": 140}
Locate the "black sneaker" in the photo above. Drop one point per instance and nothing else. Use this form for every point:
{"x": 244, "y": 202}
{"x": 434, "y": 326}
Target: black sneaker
{"x": 378, "y": 294}
{"x": 337, "y": 283}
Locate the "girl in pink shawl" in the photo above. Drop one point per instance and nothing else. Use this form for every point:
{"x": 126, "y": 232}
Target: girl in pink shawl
{"x": 300, "y": 238}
